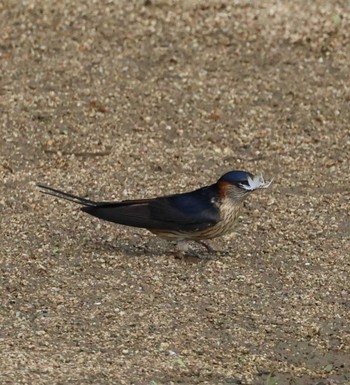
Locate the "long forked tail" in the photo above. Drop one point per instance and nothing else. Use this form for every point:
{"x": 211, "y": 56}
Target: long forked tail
{"x": 63, "y": 195}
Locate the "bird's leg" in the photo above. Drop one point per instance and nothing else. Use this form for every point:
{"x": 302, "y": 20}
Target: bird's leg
{"x": 183, "y": 249}
{"x": 210, "y": 249}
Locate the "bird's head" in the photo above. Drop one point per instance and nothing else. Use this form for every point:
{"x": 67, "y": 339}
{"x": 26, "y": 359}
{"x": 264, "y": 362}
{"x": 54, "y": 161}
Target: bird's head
{"x": 237, "y": 184}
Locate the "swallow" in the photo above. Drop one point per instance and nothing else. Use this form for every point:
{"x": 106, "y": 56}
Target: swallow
{"x": 199, "y": 215}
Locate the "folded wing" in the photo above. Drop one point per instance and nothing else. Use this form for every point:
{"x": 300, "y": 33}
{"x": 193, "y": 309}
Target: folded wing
{"x": 186, "y": 212}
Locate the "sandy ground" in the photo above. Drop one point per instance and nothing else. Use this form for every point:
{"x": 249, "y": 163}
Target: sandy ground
{"x": 131, "y": 99}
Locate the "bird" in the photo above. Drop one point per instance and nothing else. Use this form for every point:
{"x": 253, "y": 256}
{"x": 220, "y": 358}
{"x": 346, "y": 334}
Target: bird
{"x": 200, "y": 215}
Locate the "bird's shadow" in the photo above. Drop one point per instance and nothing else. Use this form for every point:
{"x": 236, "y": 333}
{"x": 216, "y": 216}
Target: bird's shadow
{"x": 154, "y": 247}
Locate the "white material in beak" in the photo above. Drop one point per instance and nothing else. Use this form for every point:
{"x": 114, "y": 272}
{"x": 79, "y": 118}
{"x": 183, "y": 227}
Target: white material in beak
{"x": 256, "y": 183}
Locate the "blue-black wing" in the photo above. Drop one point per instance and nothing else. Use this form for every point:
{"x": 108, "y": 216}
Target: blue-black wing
{"x": 191, "y": 211}
{"x": 186, "y": 212}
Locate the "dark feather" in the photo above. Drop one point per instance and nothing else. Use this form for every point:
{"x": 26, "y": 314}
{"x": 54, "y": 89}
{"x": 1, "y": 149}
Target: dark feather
{"x": 186, "y": 212}
{"x": 68, "y": 197}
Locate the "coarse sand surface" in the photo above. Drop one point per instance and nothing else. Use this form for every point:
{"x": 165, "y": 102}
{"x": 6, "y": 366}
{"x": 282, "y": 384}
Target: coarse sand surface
{"x": 132, "y": 99}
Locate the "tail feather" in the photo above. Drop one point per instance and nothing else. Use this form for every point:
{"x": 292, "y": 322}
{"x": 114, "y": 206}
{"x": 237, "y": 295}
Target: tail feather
{"x": 68, "y": 197}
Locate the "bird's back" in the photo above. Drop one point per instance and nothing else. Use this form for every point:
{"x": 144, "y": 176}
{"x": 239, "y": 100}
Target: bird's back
{"x": 191, "y": 211}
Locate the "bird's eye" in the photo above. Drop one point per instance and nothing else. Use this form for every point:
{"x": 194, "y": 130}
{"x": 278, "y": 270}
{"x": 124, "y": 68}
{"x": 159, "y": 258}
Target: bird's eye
{"x": 244, "y": 185}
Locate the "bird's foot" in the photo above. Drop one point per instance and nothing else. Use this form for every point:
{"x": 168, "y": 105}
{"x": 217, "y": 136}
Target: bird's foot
{"x": 209, "y": 248}
{"x": 198, "y": 255}
{"x": 183, "y": 250}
